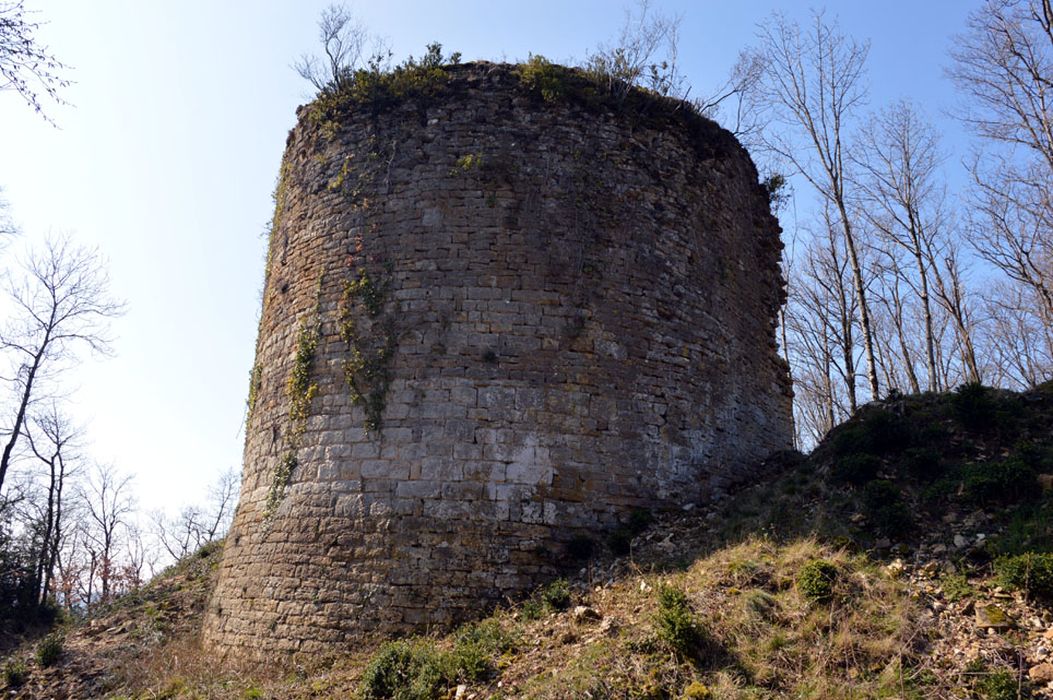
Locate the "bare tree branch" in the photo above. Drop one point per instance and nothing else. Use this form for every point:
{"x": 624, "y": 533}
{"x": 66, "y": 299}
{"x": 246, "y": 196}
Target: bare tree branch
{"x": 61, "y": 304}
{"x": 26, "y": 67}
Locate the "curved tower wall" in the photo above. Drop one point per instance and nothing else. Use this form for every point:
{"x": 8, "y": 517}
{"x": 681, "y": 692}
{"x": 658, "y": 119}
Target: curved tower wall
{"x": 492, "y": 325}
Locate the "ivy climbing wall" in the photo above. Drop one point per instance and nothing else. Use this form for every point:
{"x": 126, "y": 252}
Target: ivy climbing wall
{"x": 496, "y": 322}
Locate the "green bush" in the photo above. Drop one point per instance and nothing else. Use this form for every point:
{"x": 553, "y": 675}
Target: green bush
{"x": 676, "y": 624}
{"x": 696, "y": 690}
{"x": 416, "y": 670}
{"x": 1031, "y": 573}
{"x": 556, "y": 595}
{"x": 49, "y": 651}
{"x": 1030, "y": 529}
{"x": 955, "y": 587}
{"x": 544, "y": 78}
{"x": 1007, "y": 480}
{"x": 1000, "y": 685}
{"x": 477, "y": 645}
{"x": 816, "y": 580}
{"x": 404, "y": 670}
{"x": 1040, "y": 457}
{"x": 532, "y": 609}
{"x": 855, "y": 469}
{"x": 15, "y": 673}
{"x": 885, "y": 509}
{"x": 378, "y": 87}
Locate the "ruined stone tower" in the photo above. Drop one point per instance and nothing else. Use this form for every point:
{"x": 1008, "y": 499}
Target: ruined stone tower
{"x": 501, "y": 312}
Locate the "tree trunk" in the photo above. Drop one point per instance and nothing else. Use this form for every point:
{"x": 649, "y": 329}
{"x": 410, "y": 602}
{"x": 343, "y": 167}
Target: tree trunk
{"x": 861, "y": 296}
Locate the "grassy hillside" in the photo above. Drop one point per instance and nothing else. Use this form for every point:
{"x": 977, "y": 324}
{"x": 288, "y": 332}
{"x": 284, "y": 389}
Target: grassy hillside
{"x": 910, "y": 556}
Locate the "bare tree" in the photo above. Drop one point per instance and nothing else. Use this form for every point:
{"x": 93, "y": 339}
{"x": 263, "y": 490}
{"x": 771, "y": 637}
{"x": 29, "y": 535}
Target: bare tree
{"x": 138, "y": 557}
{"x": 53, "y": 440}
{"x": 644, "y": 55}
{"x": 1020, "y": 345}
{"x": 1003, "y": 64}
{"x": 893, "y": 288}
{"x": 7, "y": 226}
{"x": 820, "y": 338}
{"x": 107, "y": 507}
{"x": 180, "y": 535}
{"x": 343, "y": 39}
{"x": 61, "y": 305}
{"x": 26, "y": 67}
{"x": 1012, "y": 228}
{"x": 195, "y": 526}
{"x": 948, "y": 275}
{"x": 812, "y": 83}
{"x": 222, "y": 499}
{"x": 735, "y": 98}
{"x": 902, "y": 199}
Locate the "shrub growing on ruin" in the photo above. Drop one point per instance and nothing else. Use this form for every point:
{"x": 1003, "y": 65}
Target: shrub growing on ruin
{"x": 548, "y": 80}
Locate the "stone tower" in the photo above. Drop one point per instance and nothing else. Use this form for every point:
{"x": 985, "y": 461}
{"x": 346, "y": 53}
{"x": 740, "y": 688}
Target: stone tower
{"x": 501, "y": 312}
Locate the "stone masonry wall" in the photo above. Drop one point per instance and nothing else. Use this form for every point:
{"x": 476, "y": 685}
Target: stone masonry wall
{"x": 491, "y": 324}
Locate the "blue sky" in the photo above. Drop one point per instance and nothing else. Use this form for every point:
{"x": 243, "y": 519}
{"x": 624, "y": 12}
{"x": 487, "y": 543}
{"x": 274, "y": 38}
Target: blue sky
{"x": 168, "y": 155}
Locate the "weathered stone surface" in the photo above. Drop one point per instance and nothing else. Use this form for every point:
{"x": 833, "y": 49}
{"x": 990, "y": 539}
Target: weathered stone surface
{"x": 577, "y": 310}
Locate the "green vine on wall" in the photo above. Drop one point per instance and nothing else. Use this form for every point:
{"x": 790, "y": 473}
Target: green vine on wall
{"x": 367, "y": 370}
{"x": 355, "y": 179}
{"x": 255, "y": 384}
{"x": 301, "y": 391}
{"x": 278, "y": 197}
{"x": 367, "y": 290}
{"x": 282, "y": 476}
{"x": 299, "y": 386}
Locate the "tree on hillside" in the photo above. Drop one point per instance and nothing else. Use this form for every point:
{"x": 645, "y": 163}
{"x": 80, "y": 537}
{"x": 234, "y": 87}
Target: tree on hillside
{"x": 195, "y": 525}
{"x": 812, "y": 85}
{"x": 53, "y": 441}
{"x": 60, "y": 305}
{"x": 903, "y": 197}
{"x": 106, "y": 510}
{"x": 1003, "y": 65}
{"x": 26, "y": 67}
